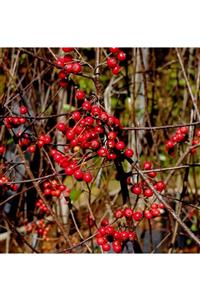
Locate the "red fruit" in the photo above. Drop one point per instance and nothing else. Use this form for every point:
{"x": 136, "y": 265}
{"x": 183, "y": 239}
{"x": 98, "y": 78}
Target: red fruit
{"x": 160, "y": 186}
{"x": 76, "y": 115}
{"x": 102, "y": 152}
{"x": 63, "y": 83}
{"x": 78, "y": 174}
{"x": 131, "y": 235}
{"x": 87, "y": 177}
{"x": 116, "y": 70}
{"x": 110, "y": 143}
{"x": 114, "y": 50}
{"x": 70, "y": 135}
{"x": 104, "y": 116}
{"x": 111, "y": 62}
{"x": 47, "y": 191}
{"x": 121, "y": 55}
{"x": 23, "y": 110}
{"x": 180, "y": 137}
{"x": 102, "y": 231}
{"x": 94, "y": 144}
{"x": 101, "y": 240}
{"x": 155, "y": 212}
{"x": 86, "y": 105}
{"x": 111, "y": 156}
{"x": 128, "y": 212}
{"x": 154, "y": 205}
{"x": 90, "y": 221}
{"x": 40, "y": 143}
{"x": 61, "y": 75}
{"x": 118, "y": 214}
{"x": 62, "y": 187}
{"x": 68, "y": 68}
{"x": 124, "y": 235}
{"x": 147, "y": 165}
{"x": 76, "y": 68}
{"x": 148, "y": 214}
{"x": 60, "y": 62}
{"x": 137, "y": 216}
{"x": 120, "y": 145}
{"x": 169, "y": 144}
{"x": 80, "y": 95}
{"x": 112, "y": 135}
{"x": 106, "y": 247}
{"x": 184, "y": 130}
{"x": 69, "y": 171}
{"x": 117, "y": 248}
{"x": 197, "y": 132}
{"x": 128, "y": 152}
{"x": 2, "y": 149}
{"x": 109, "y": 230}
{"x": 161, "y": 205}
{"x": 67, "y": 49}
{"x": 152, "y": 174}
{"x": 95, "y": 111}
{"x": 117, "y": 235}
{"x": 89, "y": 121}
{"x": 104, "y": 222}
{"x": 31, "y": 148}
{"x": 148, "y": 193}
{"x": 47, "y": 139}
{"x": 136, "y": 190}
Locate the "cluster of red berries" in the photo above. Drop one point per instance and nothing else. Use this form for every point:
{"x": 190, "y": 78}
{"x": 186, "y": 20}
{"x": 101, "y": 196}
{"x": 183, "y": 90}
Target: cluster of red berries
{"x": 108, "y": 236}
{"x": 40, "y": 227}
{"x": 195, "y": 141}
{"x": 179, "y": 136}
{"x": 89, "y": 129}
{"x": 141, "y": 188}
{"x": 13, "y": 122}
{"x": 5, "y": 185}
{"x": 68, "y": 65}
{"x": 114, "y": 60}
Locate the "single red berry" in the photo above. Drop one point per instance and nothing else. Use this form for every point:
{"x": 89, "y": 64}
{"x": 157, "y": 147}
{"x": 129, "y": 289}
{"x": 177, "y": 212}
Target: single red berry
{"x": 148, "y": 214}
{"x": 23, "y": 110}
{"x": 114, "y": 50}
{"x": 155, "y": 212}
{"x": 118, "y": 214}
{"x": 86, "y": 105}
{"x": 117, "y": 248}
{"x": 169, "y": 144}
{"x": 197, "y": 133}
{"x": 161, "y": 205}
{"x": 135, "y": 189}
{"x": 137, "y": 216}
{"x": 76, "y": 68}
{"x": 147, "y": 165}
{"x": 67, "y": 49}
{"x": 80, "y": 95}
{"x": 69, "y": 171}
{"x": 76, "y": 116}
{"x": 128, "y": 212}
{"x": 102, "y": 231}
{"x": 2, "y": 149}
{"x": 152, "y": 174}
{"x": 128, "y": 152}
{"x": 101, "y": 240}
{"x": 106, "y": 247}
{"x": 160, "y": 186}
{"x": 112, "y": 135}
{"x": 184, "y": 130}
{"x": 104, "y": 222}
{"x": 131, "y": 235}
{"x": 154, "y": 205}
{"x": 148, "y": 193}
{"x": 62, "y": 75}
{"x": 120, "y": 145}
{"x": 87, "y": 177}
{"x": 109, "y": 230}
{"x": 102, "y": 152}
{"x": 111, "y": 156}
{"x": 111, "y": 62}
{"x": 78, "y": 174}
{"x": 116, "y": 70}
{"x": 121, "y": 55}
{"x": 31, "y": 148}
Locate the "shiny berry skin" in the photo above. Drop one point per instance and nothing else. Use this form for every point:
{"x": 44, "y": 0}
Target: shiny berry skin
{"x": 69, "y": 68}
{"x": 128, "y": 212}
{"x": 131, "y": 235}
{"x": 61, "y": 126}
{"x": 31, "y": 149}
{"x": 148, "y": 193}
{"x": 117, "y": 248}
{"x": 180, "y": 137}
{"x": 106, "y": 247}
{"x": 147, "y": 165}
{"x": 76, "y": 115}
{"x": 61, "y": 75}
{"x": 184, "y": 130}
{"x": 87, "y": 177}
{"x": 76, "y": 68}
{"x": 109, "y": 230}
{"x": 112, "y": 135}
{"x": 110, "y": 144}
{"x": 124, "y": 235}
{"x": 69, "y": 171}
{"x": 121, "y": 56}
{"x": 197, "y": 133}
{"x": 152, "y": 174}
{"x": 118, "y": 214}
{"x": 104, "y": 222}
{"x": 160, "y": 186}
{"x": 102, "y": 152}
{"x": 120, "y": 145}
{"x": 137, "y": 216}
{"x": 128, "y": 152}
{"x": 2, "y": 149}
{"x": 94, "y": 144}
{"x": 136, "y": 190}
{"x": 169, "y": 144}
{"x": 161, "y": 205}
{"x": 116, "y": 70}
{"x": 80, "y": 95}
{"x": 78, "y": 174}
{"x": 67, "y": 49}
{"x": 154, "y": 205}
{"x": 62, "y": 187}
{"x": 155, "y": 212}
{"x": 111, "y": 156}
{"x": 23, "y": 110}
{"x": 86, "y": 105}
{"x": 101, "y": 240}
{"x": 148, "y": 214}
{"x": 111, "y": 62}
{"x": 114, "y": 50}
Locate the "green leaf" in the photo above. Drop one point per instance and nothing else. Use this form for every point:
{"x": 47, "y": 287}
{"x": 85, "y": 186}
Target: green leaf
{"x": 74, "y": 195}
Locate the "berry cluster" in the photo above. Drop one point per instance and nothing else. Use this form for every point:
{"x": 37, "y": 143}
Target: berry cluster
{"x": 68, "y": 65}
{"x": 13, "y": 122}
{"x": 179, "y": 136}
{"x": 116, "y": 57}
{"x": 5, "y": 185}
{"x": 141, "y": 188}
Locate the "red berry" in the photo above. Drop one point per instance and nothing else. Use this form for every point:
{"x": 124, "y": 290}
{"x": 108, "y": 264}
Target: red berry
{"x": 69, "y": 171}
{"x": 131, "y": 235}
{"x": 116, "y": 70}
{"x": 135, "y": 189}
{"x": 128, "y": 212}
{"x": 152, "y": 174}
{"x": 104, "y": 222}
{"x": 184, "y": 130}
{"x": 76, "y": 68}
{"x": 114, "y": 50}
{"x": 76, "y": 115}
{"x": 23, "y": 110}
{"x": 101, "y": 240}
{"x": 80, "y": 95}
{"x": 2, "y": 149}
{"x": 120, "y": 145}
{"x": 102, "y": 152}
{"x": 106, "y": 247}
{"x": 148, "y": 214}
{"x": 111, "y": 62}
{"x": 78, "y": 174}
{"x": 137, "y": 216}
{"x": 86, "y": 105}
{"x": 148, "y": 193}
{"x": 87, "y": 177}
{"x": 67, "y": 49}
{"x": 117, "y": 248}
{"x": 121, "y": 55}
{"x": 118, "y": 214}
{"x": 128, "y": 152}
{"x": 112, "y": 135}
{"x": 31, "y": 148}
{"x": 147, "y": 165}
